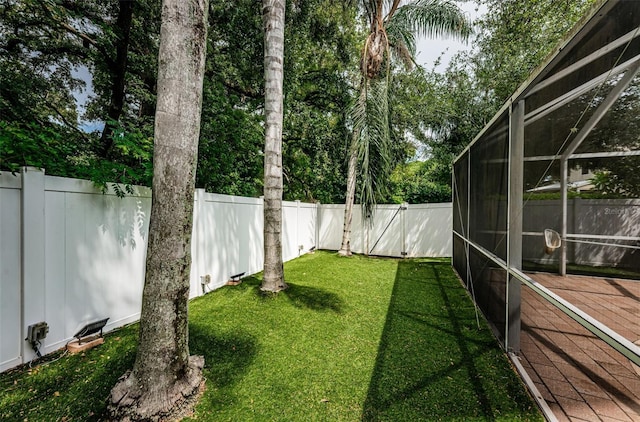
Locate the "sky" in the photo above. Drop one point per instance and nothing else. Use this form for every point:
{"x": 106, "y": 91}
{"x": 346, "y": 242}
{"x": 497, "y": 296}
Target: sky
{"x": 428, "y": 49}
{"x": 82, "y": 96}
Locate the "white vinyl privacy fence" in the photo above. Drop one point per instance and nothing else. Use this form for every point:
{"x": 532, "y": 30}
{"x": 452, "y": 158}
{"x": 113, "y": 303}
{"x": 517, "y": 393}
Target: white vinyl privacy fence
{"x": 396, "y": 230}
{"x": 70, "y": 255}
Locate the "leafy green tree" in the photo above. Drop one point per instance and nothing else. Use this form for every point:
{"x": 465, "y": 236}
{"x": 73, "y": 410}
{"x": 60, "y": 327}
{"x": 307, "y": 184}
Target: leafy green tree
{"x": 418, "y": 182}
{"x": 48, "y": 44}
{"x": 321, "y": 52}
{"x": 512, "y": 39}
{"x": 392, "y": 34}
{"x": 320, "y": 46}
{"x": 516, "y": 36}
{"x": 39, "y": 51}
{"x": 90, "y": 37}
{"x": 616, "y": 132}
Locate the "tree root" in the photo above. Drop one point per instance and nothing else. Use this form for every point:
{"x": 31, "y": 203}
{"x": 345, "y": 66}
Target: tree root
{"x": 344, "y": 252}
{"x": 274, "y": 289}
{"x": 130, "y": 402}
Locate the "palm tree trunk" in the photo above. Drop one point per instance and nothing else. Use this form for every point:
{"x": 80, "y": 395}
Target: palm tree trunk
{"x": 345, "y": 248}
{"x": 273, "y": 16}
{"x": 165, "y": 380}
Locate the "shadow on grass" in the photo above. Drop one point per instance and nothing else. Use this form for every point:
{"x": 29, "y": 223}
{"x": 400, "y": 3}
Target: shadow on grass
{"x": 314, "y": 298}
{"x": 226, "y": 356}
{"x": 433, "y": 362}
{"x": 301, "y": 296}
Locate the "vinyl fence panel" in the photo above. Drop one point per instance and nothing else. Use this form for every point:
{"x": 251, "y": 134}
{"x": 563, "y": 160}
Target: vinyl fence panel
{"x": 330, "y": 225}
{"x": 429, "y": 228}
{"x": 387, "y": 233}
{"x": 227, "y": 239}
{"x": 71, "y": 254}
{"x": 10, "y": 271}
{"x": 422, "y": 230}
{"x": 95, "y": 257}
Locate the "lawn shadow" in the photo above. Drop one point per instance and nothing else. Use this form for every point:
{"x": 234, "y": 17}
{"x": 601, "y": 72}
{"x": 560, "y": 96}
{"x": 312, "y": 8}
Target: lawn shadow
{"x": 426, "y": 367}
{"x": 306, "y": 297}
{"x": 227, "y": 357}
{"x": 314, "y": 298}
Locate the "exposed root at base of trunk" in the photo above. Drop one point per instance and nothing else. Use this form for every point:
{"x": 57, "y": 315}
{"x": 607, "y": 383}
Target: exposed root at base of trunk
{"x": 344, "y": 252}
{"x": 129, "y": 403}
{"x": 274, "y": 289}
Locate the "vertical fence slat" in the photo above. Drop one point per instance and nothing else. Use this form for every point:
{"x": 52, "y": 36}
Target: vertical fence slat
{"x": 10, "y": 271}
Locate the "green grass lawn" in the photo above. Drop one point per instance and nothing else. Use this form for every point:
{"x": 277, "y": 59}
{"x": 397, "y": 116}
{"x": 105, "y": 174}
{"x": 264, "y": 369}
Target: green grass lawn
{"x": 352, "y": 339}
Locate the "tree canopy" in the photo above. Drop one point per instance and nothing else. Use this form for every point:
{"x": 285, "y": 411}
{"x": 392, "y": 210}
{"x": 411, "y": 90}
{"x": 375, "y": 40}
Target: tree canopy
{"x": 50, "y": 47}
{"x": 512, "y": 39}
{"x": 54, "y": 52}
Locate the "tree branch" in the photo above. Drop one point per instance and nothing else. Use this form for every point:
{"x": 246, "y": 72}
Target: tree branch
{"x": 65, "y": 121}
{"x": 70, "y": 29}
{"x": 394, "y": 7}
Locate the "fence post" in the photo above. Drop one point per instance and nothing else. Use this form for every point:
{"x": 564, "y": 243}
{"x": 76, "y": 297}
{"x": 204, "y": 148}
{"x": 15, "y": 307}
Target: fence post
{"x": 316, "y": 230}
{"x": 33, "y": 254}
{"x": 297, "y": 245}
{"x": 367, "y": 225}
{"x": 576, "y": 227}
{"x": 197, "y": 253}
{"x": 403, "y": 221}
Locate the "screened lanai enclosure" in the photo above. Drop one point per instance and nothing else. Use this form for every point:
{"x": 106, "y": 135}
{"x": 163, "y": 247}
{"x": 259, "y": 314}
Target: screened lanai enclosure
{"x": 552, "y": 184}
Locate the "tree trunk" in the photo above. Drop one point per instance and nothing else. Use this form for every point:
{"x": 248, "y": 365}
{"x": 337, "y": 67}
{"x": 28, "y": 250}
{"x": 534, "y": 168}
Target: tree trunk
{"x": 273, "y": 16}
{"x": 119, "y": 71}
{"x": 165, "y": 380}
{"x": 345, "y": 248}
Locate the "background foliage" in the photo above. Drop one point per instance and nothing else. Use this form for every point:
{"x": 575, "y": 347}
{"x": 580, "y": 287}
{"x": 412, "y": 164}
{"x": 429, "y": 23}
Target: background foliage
{"x": 53, "y": 52}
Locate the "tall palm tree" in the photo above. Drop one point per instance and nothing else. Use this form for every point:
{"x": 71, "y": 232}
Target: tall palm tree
{"x": 273, "y": 19}
{"x": 393, "y": 28}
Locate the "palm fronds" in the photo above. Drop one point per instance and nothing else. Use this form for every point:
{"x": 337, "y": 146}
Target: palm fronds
{"x": 428, "y": 18}
{"x": 392, "y": 34}
{"x": 372, "y": 140}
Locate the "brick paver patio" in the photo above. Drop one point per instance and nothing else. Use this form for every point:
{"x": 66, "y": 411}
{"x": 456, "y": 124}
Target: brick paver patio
{"x": 581, "y": 377}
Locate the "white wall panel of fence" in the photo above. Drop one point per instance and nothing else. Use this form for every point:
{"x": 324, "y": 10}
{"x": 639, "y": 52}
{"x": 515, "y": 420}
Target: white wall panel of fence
{"x": 10, "y": 271}
{"x": 331, "y": 225}
{"x": 227, "y": 238}
{"x": 330, "y": 220}
{"x": 79, "y": 254}
{"x": 298, "y": 228}
{"x": 95, "y": 248}
{"x": 429, "y": 228}
{"x": 70, "y": 255}
{"x": 387, "y": 233}
{"x": 396, "y": 230}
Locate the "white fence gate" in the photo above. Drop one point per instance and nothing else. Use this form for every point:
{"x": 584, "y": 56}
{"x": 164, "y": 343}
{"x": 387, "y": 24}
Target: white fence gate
{"x": 413, "y": 231}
